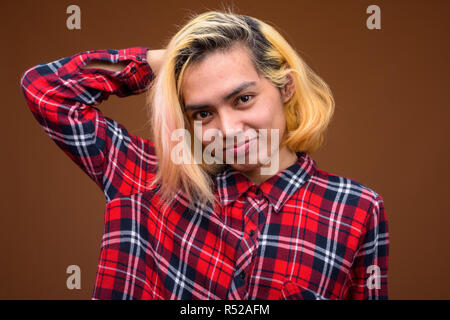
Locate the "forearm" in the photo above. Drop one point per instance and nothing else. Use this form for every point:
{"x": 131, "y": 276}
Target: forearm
{"x": 154, "y": 59}
{"x": 106, "y": 65}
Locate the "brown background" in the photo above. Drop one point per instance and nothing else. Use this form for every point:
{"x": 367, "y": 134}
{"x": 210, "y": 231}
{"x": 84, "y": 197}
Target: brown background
{"x": 390, "y": 130}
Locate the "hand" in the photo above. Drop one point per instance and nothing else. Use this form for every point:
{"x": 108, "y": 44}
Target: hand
{"x": 155, "y": 59}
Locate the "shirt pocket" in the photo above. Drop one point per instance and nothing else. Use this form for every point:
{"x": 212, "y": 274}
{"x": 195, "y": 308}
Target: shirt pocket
{"x": 293, "y": 291}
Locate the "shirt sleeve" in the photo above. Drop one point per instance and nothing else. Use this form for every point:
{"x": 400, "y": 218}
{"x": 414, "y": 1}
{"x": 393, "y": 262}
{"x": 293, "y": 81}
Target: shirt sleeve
{"x": 63, "y": 97}
{"x": 369, "y": 272}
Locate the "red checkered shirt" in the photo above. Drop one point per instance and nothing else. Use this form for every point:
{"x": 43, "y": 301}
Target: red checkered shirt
{"x": 302, "y": 234}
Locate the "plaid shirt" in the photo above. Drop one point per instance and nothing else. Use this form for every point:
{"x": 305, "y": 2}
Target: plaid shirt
{"x": 302, "y": 234}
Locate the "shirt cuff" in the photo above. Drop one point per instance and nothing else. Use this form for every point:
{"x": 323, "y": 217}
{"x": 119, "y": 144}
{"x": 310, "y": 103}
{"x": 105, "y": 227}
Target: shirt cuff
{"x": 137, "y": 75}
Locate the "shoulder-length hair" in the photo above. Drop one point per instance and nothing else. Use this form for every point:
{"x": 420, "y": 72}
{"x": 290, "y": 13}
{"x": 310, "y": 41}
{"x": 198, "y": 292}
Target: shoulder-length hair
{"x": 308, "y": 112}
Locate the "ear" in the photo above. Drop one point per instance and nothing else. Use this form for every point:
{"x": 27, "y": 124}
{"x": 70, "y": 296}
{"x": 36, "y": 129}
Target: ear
{"x": 288, "y": 90}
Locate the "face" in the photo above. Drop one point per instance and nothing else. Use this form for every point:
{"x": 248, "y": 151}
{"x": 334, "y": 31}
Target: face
{"x": 225, "y": 92}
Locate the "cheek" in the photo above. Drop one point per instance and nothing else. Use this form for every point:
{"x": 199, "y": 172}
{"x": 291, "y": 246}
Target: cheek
{"x": 198, "y": 129}
{"x": 206, "y": 134}
{"x": 280, "y": 122}
{"x": 198, "y": 132}
{"x": 275, "y": 120}
{"x": 271, "y": 115}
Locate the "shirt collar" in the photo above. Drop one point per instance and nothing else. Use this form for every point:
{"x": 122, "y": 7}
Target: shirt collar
{"x": 231, "y": 184}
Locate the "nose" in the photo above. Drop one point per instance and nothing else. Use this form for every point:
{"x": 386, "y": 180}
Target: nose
{"x": 231, "y": 125}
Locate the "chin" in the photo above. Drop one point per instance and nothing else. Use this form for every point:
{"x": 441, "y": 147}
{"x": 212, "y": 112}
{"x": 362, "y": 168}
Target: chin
{"x": 245, "y": 167}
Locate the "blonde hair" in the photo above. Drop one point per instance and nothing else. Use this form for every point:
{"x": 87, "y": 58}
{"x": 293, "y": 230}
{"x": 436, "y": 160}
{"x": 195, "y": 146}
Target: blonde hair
{"x": 308, "y": 112}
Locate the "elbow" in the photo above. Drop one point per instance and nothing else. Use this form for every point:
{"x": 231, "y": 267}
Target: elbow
{"x": 25, "y": 82}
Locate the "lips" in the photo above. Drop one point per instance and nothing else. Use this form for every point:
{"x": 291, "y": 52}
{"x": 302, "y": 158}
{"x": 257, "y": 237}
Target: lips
{"x": 242, "y": 148}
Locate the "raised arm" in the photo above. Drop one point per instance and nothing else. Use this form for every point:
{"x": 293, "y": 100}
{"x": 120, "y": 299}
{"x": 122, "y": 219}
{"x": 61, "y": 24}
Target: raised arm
{"x": 63, "y": 95}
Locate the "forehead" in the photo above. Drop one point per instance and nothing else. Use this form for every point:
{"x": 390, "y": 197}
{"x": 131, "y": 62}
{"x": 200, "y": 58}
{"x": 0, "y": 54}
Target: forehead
{"x": 218, "y": 73}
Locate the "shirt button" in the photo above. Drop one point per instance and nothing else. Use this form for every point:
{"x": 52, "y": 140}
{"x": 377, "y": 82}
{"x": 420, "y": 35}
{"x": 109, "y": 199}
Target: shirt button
{"x": 133, "y": 70}
{"x": 251, "y": 233}
{"x": 139, "y": 58}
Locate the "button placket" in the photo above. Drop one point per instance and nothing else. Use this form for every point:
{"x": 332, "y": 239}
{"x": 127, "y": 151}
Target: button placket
{"x": 251, "y": 223}
{"x": 247, "y": 243}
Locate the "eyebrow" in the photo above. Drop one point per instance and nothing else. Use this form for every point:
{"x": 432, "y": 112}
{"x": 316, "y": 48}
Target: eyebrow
{"x": 234, "y": 92}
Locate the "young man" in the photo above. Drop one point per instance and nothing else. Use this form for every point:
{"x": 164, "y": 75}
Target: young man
{"x": 196, "y": 230}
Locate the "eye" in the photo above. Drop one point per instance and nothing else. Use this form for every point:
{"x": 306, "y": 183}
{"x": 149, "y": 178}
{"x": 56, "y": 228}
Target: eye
{"x": 244, "y": 98}
{"x": 200, "y": 115}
